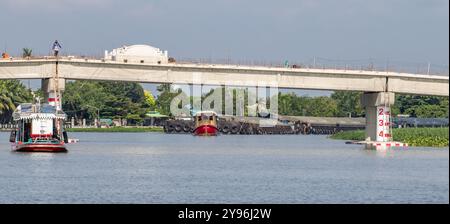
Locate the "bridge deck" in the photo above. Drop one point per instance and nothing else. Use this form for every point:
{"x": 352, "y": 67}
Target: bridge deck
{"x": 232, "y": 75}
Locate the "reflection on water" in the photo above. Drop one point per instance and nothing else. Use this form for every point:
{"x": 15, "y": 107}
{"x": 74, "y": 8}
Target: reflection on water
{"x": 40, "y": 156}
{"x": 381, "y": 153}
{"x": 158, "y": 168}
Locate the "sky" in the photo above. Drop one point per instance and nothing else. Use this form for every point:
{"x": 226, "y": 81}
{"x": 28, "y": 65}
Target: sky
{"x": 399, "y": 31}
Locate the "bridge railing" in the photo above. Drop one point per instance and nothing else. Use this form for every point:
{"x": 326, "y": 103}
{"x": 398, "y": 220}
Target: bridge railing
{"x": 323, "y": 63}
{"x": 422, "y": 68}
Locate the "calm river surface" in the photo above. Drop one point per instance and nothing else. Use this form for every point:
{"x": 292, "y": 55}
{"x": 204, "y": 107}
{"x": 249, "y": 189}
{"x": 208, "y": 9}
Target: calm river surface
{"x": 159, "y": 168}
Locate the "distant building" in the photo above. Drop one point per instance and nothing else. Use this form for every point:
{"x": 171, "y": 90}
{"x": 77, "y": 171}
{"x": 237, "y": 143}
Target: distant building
{"x": 138, "y": 54}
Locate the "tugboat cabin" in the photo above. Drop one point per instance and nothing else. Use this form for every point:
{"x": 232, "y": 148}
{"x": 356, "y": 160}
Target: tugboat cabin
{"x": 206, "y": 123}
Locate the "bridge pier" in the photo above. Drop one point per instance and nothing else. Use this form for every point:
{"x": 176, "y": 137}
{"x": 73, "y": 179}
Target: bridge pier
{"x": 52, "y": 90}
{"x": 377, "y": 106}
{"x": 378, "y": 119}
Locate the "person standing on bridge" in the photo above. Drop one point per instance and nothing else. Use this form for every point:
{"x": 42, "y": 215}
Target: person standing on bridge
{"x": 56, "y": 47}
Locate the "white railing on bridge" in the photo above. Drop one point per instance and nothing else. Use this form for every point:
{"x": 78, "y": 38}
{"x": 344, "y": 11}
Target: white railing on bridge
{"x": 323, "y": 63}
{"x": 422, "y": 68}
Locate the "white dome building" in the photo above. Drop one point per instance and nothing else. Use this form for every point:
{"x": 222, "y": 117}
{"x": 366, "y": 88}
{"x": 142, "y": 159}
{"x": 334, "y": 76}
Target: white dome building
{"x": 138, "y": 54}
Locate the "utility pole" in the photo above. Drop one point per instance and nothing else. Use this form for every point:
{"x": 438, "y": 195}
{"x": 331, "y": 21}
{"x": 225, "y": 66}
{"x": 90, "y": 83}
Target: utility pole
{"x": 56, "y": 86}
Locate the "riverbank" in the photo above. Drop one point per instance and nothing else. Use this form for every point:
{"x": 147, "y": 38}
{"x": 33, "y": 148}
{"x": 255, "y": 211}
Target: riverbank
{"x": 117, "y": 129}
{"x": 424, "y": 137}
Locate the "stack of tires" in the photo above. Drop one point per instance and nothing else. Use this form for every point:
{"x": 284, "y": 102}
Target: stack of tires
{"x": 323, "y": 130}
{"x": 230, "y": 127}
{"x": 178, "y": 127}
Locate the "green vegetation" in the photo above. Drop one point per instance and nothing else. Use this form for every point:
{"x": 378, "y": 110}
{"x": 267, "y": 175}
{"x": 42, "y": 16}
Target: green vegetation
{"x": 125, "y": 100}
{"x": 339, "y": 104}
{"x": 117, "y": 129}
{"x": 421, "y": 106}
{"x": 345, "y": 103}
{"x": 358, "y": 135}
{"x": 27, "y": 52}
{"x": 426, "y": 137}
{"x": 291, "y": 104}
{"x": 85, "y": 99}
{"x": 433, "y": 137}
{"x": 165, "y": 98}
{"x": 12, "y": 93}
{"x": 348, "y": 103}
{"x": 113, "y": 100}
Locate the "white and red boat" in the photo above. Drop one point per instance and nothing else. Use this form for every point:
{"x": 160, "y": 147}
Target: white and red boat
{"x": 39, "y": 129}
{"x": 206, "y": 123}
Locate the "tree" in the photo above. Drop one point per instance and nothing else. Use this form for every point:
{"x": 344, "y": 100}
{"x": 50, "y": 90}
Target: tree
{"x": 81, "y": 97}
{"x": 293, "y": 105}
{"x": 12, "y": 93}
{"x": 422, "y": 106}
{"x": 150, "y": 99}
{"x": 348, "y": 103}
{"x": 165, "y": 98}
{"x": 27, "y": 52}
{"x": 322, "y": 106}
{"x": 84, "y": 99}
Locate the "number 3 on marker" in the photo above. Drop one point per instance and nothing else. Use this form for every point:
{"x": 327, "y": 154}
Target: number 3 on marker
{"x": 381, "y": 123}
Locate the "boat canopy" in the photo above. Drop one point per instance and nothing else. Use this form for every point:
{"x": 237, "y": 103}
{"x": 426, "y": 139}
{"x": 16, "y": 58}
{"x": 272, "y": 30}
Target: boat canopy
{"x": 28, "y": 111}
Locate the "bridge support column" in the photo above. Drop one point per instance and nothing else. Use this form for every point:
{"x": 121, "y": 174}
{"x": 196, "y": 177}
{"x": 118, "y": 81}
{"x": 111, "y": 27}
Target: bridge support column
{"x": 378, "y": 115}
{"x": 53, "y": 90}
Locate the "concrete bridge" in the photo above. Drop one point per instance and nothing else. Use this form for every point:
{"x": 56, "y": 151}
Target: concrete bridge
{"x": 379, "y": 87}
{"x": 213, "y": 74}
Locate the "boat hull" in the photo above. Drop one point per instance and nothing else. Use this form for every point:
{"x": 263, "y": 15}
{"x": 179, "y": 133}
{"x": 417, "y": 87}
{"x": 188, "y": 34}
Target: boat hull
{"x": 51, "y": 148}
{"x": 206, "y": 130}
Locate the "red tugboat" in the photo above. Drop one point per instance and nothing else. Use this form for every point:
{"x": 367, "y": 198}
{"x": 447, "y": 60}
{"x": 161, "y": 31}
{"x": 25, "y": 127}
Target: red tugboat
{"x": 39, "y": 129}
{"x": 206, "y": 123}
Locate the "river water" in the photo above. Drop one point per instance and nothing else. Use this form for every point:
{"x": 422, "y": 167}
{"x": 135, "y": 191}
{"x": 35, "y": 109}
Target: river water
{"x": 159, "y": 168}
